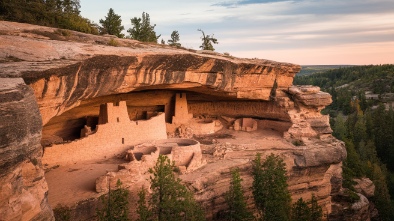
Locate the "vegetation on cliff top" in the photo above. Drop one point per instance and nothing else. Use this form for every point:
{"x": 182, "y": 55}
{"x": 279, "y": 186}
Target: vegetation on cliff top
{"x": 53, "y": 13}
{"x": 142, "y": 30}
{"x": 65, "y": 14}
{"x": 207, "y": 41}
{"x": 112, "y": 24}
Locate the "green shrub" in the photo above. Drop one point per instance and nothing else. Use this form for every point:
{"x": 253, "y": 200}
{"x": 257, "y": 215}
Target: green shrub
{"x": 63, "y": 32}
{"x": 62, "y": 213}
{"x": 298, "y": 143}
{"x": 113, "y": 43}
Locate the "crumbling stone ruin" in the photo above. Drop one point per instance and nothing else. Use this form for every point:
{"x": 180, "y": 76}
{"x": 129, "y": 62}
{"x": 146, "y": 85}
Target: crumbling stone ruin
{"x": 186, "y": 154}
{"x": 245, "y": 124}
{"x": 114, "y": 131}
{"x": 77, "y": 115}
{"x": 184, "y": 125}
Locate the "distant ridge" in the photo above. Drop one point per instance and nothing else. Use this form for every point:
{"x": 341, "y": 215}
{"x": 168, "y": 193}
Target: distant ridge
{"x": 312, "y": 69}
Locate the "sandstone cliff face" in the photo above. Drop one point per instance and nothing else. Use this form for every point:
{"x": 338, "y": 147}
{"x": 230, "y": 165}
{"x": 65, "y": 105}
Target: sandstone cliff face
{"x": 311, "y": 169}
{"x": 22, "y": 183}
{"x": 62, "y": 80}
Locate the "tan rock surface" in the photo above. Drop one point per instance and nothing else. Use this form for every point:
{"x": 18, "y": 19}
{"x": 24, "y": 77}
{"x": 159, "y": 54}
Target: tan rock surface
{"x": 69, "y": 77}
{"x": 63, "y": 72}
{"x": 365, "y": 186}
{"x": 23, "y": 187}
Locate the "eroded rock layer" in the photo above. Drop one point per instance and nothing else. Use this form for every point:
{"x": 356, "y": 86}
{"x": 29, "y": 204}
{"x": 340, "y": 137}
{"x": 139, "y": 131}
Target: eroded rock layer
{"x": 22, "y": 183}
{"x": 60, "y": 82}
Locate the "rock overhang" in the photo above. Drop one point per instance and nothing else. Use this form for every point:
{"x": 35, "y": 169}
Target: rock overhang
{"x": 70, "y": 79}
{"x": 67, "y": 74}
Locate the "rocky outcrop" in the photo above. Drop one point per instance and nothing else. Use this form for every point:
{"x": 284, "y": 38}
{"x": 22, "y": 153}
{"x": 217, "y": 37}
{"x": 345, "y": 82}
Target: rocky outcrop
{"x": 60, "y": 82}
{"x": 349, "y": 205}
{"x": 346, "y": 207}
{"x": 365, "y": 187}
{"x": 23, "y": 187}
{"x": 305, "y": 116}
{"x": 79, "y": 71}
{"x": 307, "y": 173}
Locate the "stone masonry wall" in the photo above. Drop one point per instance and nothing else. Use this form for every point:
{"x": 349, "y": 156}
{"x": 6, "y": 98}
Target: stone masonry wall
{"x": 112, "y": 138}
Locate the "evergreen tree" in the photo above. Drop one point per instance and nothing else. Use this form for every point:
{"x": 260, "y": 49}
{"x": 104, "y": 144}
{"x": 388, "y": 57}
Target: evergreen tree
{"x": 352, "y": 167}
{"x": 307, "y": 211}
{"x": 270, "y": 192}
{"x": 237, "y": 208}
{"x": 143, "y": 210}
{"x": 114, "y": 205}
{"x": 340, "y": 128}
{"x": 174, "y": 39}
{"x": 383, "y": 136}
{"x": 170, "y": 199}
{"x": 360, "y": 130}
{"x": 71, "y": 6}
{"x": 300, "y": 211}
{"x": 207, "y": 41}
{"x": 142, "y": 29}
{"x": 315, "y": 210}
{"x": 367, "y": 152}
{"x": 54, "y": 13}
{"x": 382, "y": 195}
{"x": 363, "y": 101}
{"x": 112, "y": 24}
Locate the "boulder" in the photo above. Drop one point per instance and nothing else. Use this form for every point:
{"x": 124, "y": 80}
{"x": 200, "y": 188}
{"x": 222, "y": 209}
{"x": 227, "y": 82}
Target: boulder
{"x": 365, "y": 186}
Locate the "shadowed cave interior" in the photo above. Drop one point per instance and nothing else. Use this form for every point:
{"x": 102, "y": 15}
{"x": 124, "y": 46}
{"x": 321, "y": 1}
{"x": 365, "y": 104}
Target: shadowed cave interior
{"x": 143, "y": 105}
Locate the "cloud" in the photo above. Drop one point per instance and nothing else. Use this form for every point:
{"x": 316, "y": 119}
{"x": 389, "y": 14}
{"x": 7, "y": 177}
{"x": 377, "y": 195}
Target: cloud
{"x": 290, "y": 30}
{"x": 233, "y": 4}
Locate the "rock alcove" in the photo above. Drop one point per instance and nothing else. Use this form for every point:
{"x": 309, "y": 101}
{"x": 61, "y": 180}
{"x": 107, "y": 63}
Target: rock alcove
{"x": 57, "y": 86}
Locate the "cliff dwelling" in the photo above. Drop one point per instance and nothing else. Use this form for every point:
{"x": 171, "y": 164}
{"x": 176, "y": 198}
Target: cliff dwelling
{"x": 84, "y": 117}
{"x": 123, "y": 139}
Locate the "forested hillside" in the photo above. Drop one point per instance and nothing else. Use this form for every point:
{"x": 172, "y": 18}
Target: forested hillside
{"x": 370, "y": 84}
{"x": 53, "y": 13}
{"x": 314, "y": 69}
{"x": 362, "y": 115}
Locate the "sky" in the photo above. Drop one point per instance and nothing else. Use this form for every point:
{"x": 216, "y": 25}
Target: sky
{"x": 305, "y": 32}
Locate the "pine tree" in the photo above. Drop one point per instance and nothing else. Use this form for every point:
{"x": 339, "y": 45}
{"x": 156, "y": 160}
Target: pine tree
{"x": 380, "y": 130}
{"x": 300, "y": 211}
{"x": 115, "y": 205}
{"x": 207, "y": 41}
{"x": 306, "y": 211}
{"x": 112, "y": 24}
{"x": 54, "y": 13}
{"x": 174, "y": 39}
{"x": 237, "y": 207}
{"x": 316, "y": 211}
{"x": 270, "y": 192}
{"x": 170, "y": 199}
{"x": 339, "y": 128}
{"x": 142, "y": 29}
{"x": 143, "y": 210}
{"x": 360, "y": 130}
{"x": 382, "y": 196}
